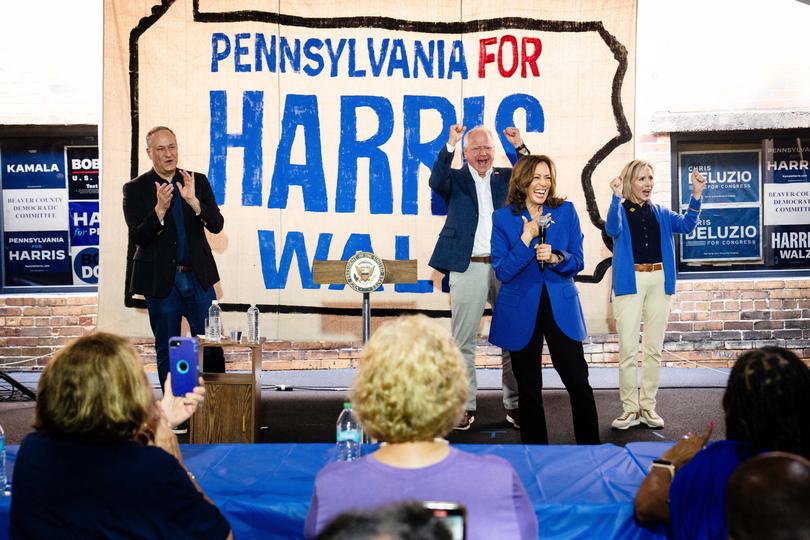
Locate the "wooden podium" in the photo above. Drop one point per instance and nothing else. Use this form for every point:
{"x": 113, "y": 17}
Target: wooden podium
{"x": 364, "y": 272}
{"x": 228, "y": 414}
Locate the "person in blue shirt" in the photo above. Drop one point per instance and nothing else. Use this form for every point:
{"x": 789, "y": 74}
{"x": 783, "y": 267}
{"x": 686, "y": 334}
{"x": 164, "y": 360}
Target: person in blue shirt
{"x": 538, "y": 300}
{"x": 643, "y": 282}
{"x": 766, "y": 406}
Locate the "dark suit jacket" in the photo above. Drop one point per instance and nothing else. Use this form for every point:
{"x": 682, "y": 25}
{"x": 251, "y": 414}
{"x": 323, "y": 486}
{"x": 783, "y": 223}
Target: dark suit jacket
{"x": 457, "y": 188}
{"x": 515, "y": 311}
{"x": 154, "y": 263}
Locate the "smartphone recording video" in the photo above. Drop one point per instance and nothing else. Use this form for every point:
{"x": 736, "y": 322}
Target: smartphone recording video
{"x": 453, "y": 515}
{"x": 183, "y": 364}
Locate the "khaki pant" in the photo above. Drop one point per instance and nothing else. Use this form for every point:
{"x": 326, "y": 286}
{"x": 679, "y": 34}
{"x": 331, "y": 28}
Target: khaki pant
{"x": 650, "y": 305}
{"x": 469, "y": 293}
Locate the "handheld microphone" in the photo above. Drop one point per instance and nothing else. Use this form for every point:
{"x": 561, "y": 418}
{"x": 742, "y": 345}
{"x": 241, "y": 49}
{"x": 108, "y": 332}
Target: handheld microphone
{"x": 543, "y": 222}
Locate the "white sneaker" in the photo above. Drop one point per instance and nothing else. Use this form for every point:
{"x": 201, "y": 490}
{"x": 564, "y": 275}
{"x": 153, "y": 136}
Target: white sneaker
{"x": 652, "y": 419}
{"x": 626, "y": 420}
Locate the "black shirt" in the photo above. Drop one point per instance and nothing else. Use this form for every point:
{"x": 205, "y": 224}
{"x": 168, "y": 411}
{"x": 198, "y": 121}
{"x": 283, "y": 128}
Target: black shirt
{"x": 65, "y": 487}
{"x": 645, "y": 233}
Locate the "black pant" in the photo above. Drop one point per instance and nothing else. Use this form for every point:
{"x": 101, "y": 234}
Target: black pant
{"x": 568, "y": 358}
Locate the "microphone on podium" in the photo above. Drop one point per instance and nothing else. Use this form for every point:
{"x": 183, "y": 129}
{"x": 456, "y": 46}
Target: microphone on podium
{"x": 543, "y": 221}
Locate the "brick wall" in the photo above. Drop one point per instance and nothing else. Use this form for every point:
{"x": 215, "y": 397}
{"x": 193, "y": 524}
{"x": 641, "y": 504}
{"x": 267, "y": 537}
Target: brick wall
{"x": 32, "y": 328}
{"x": 710, "y": 323}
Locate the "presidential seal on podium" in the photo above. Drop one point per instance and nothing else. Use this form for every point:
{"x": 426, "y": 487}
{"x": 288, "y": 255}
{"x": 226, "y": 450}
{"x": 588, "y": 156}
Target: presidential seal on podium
{"x": 364, "y": 272}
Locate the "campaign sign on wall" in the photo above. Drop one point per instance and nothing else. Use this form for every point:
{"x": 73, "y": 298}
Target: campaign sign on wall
{"x": 35, "y": 209}
{"x": 33, "y": 169}
{"x": 732, "y": 176}
{"x": 788, "y": 246}
{"x": 787, "y": 202}
{"x": 82, "y": 172}
{"x": 724, "y": 234}
{"x": 37, "y": 258}
{"x": 85, "y": 220}
{"x": 787, "y": 161}
{"x": 317, "y": 124}
{"x": 85, "y": 264}
{"x": 40, "y": 221}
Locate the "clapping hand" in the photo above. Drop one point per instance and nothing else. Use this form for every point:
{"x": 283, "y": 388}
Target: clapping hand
{"x": 188, "y": 192}
{"x": 164, "y": 194}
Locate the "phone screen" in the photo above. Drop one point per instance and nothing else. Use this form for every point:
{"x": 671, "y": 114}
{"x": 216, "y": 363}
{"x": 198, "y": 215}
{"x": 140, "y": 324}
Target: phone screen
{"x": 183, "y": 364}
{"x": 453, "y": 515}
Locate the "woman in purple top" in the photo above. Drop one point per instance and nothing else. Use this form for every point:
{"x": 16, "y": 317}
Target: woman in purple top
{"x": 766, "y": 404}
{"x": 410, "y": 391}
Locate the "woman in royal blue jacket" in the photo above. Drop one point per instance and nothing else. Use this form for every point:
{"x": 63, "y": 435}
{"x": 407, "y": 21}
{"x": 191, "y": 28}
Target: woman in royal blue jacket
{"x": 538, "y": 298}
{"x": 643, "y": 282}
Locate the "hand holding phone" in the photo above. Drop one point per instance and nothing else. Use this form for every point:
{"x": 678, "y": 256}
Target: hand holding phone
{"x": 183, "y": 363}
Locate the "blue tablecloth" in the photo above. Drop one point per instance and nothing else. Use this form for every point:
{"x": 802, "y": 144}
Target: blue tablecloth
{"x": 578, "y": 491}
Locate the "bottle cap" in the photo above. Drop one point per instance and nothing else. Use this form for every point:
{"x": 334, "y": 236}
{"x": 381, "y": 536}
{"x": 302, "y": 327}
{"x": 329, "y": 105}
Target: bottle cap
{"x": 347, "y": 405}
{"x": 213, "y": 302}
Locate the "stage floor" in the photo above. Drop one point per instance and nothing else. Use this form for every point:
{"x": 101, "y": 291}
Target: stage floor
{"x": 307, "y": 414}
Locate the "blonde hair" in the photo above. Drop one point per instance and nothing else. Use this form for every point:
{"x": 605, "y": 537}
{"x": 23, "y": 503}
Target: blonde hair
{"x": 95, "y": 387}
{"x": 412, "y": 382}
{"x": 630, "y": 172}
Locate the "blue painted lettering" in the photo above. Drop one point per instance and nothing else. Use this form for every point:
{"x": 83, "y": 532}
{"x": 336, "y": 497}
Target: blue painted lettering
{"x": 299, "y": 110}
{"x": 381, "y": 199}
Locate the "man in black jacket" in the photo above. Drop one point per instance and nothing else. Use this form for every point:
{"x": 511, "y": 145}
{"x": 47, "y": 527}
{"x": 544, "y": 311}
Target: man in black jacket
{"x": 167, "y": 211}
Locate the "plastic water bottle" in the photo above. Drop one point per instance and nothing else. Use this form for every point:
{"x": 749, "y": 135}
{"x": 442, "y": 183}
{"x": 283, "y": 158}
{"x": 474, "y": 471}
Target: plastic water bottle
{"x": 214, "y": 322}
{"x": 253, "y": 324}
{"x": 3, "y": 479}
{"x": 349, "y": 434}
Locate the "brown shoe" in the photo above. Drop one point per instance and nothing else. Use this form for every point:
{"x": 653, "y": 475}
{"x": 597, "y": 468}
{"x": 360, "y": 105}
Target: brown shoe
{"x": 466, "y": 421}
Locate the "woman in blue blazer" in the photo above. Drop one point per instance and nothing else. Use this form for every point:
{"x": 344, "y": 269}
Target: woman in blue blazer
{"x": 538, "y": 298}
{"x": 643, "y": 282}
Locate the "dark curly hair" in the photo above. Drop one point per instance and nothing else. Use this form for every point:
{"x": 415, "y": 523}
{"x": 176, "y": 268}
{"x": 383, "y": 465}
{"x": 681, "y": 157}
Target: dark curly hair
{"x": 521, "y": 179}
{"x": 767, "y": 402}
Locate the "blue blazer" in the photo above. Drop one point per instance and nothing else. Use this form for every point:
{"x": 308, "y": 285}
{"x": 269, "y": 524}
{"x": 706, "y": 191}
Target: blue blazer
{"x": 457, "y": 188}
{"x": 669, "y": 223}
{"x": 515, "y": 312}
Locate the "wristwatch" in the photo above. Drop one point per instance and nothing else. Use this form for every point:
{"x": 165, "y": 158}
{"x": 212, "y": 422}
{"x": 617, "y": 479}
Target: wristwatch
{"x": 664, "y": 464}
{"x": 522, "y": 149}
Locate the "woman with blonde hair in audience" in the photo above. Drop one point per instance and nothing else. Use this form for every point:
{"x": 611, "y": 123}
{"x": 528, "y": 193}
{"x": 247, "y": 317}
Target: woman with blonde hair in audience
{"x": 409, "y": 392}
{"x": 103, "y": 461}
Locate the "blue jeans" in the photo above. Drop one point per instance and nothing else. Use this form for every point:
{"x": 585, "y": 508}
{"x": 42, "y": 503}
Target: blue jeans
{"x": 187, "y": 299}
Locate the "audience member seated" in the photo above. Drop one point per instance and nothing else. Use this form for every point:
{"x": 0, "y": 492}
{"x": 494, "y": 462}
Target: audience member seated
{"x": 403, "y": 521}
{"x": 410, "y": 390}
{"x": 768, "y": 498}
{"x": 103, "y": 461}
{"x": 767, "y": 406}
